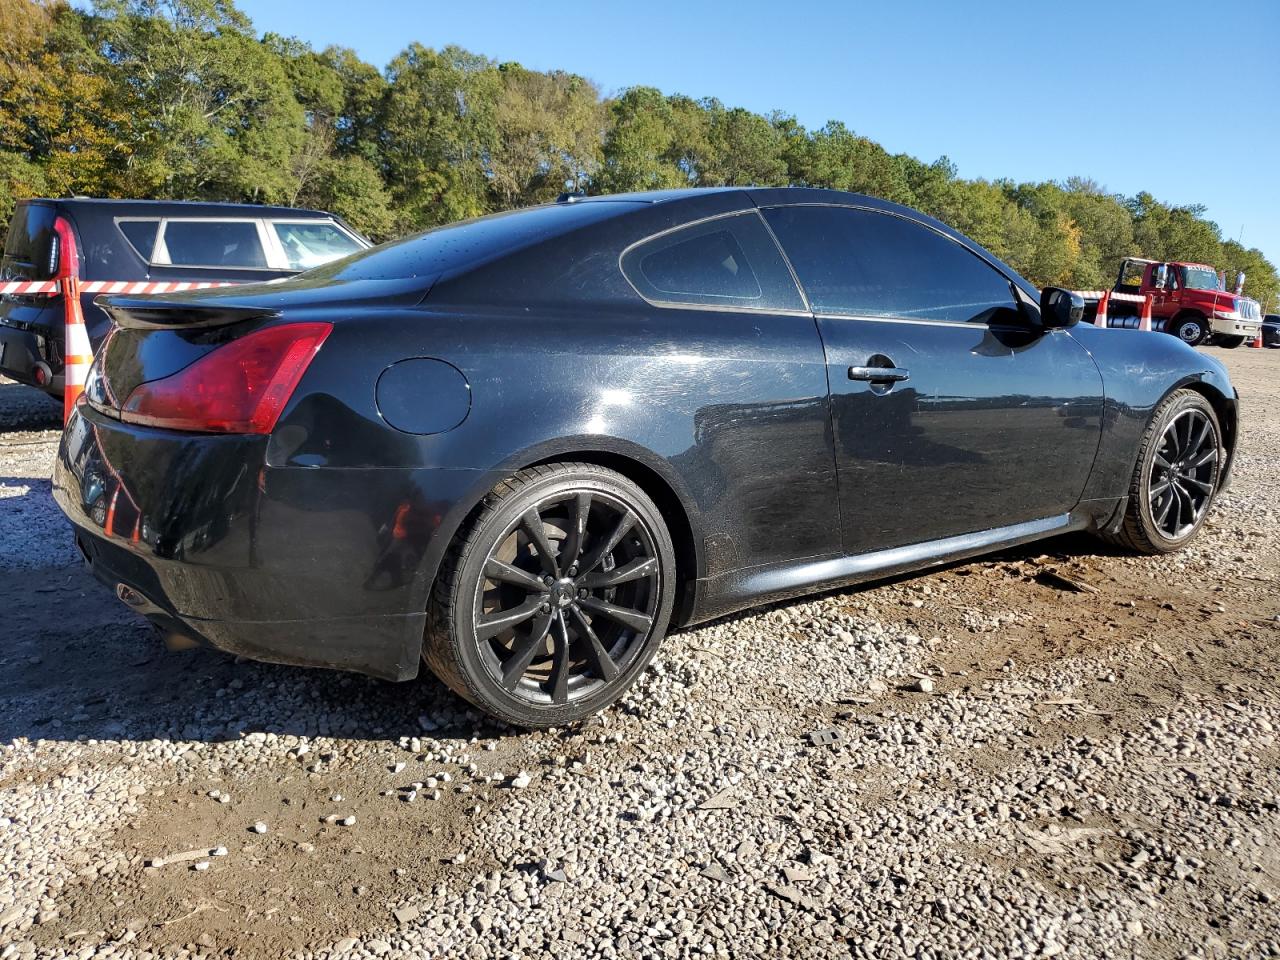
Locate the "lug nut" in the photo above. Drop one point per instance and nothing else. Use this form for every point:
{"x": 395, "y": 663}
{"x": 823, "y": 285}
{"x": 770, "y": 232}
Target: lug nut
{"x": 582, "y": 594}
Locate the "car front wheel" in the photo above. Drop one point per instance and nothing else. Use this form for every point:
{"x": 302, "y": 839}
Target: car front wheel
{"x": 555, "y": 598}
{"x": 1230, "y": 343}
{"x": 1176, "y": 478}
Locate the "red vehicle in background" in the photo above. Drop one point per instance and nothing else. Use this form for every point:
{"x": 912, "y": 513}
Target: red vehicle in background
{"x": 1189, "y": 300}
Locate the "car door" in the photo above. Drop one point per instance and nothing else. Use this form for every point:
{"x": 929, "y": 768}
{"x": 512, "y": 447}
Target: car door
{"x": 952, "y": 410}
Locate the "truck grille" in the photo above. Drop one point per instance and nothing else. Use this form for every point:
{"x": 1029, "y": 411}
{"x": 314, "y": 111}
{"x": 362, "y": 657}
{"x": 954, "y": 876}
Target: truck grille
{"x": 1250, "y": 309}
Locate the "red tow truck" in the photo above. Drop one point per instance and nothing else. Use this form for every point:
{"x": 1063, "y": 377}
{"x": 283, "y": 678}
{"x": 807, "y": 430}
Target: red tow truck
{"x": 1189, "y": 300}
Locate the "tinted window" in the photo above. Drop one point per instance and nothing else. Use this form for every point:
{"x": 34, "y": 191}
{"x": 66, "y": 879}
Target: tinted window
{"x": 308, "y": 245}
{"x": 728, "y": 261}
{"x": 469, "y": 242}
{"x": 879, "y": 265}
{"x": 29, "y": 251}
{"x": 213, "y": 243}
{"x": 141, "y": 235}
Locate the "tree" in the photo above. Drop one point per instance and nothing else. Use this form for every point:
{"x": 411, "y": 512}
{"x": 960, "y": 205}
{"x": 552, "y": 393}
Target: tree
{"x": 211, "y": 112}
{"x": 440, "y": 130}
{"x": 549, "y": 130}
{"x": 58, "y": 128}
{"x": 638, "y": 144}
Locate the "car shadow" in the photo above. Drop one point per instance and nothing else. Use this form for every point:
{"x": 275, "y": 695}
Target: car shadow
{"x": 27, "y": 409}
{"x": 79, "y": 665}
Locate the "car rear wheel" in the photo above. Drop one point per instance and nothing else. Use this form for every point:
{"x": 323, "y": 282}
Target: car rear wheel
{"x": 1230, "y": 343}
{"x": 556, "y": 596}
{"x": 1190, "y": 329}
{"x": 1176, "y": 477}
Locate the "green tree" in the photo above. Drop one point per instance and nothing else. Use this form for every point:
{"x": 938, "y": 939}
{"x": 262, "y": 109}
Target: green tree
{"x": 440, "y": 131}
{"x": 549, "y": 129}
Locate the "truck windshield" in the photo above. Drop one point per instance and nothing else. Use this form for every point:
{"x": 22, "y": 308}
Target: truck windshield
{"x": 1199, "y": 278}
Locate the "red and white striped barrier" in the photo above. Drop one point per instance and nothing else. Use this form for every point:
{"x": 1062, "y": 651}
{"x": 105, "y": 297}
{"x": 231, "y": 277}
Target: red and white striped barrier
{"x": 1107, "y": 297}
{"x": 52, "y": 287}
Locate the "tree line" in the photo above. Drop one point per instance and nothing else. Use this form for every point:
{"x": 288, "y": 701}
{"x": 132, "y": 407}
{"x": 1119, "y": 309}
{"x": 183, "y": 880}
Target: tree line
{"x": 182, "y": 99}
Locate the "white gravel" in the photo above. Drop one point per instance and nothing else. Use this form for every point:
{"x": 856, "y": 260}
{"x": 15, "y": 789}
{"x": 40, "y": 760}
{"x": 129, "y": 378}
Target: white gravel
{"x": 960, "y": 811}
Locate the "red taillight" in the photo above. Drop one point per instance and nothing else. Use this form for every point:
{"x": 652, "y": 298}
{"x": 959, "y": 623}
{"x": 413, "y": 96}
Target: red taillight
{"x": 240, "y": 387}
{"x": 64, "y": 261}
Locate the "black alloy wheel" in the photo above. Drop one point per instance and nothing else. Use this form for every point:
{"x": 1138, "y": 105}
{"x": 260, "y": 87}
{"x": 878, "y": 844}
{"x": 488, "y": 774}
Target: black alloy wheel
{"x": 1177, "y": 475}
{"x": 1183, "y": 472}
{"x": 555, "y": 598}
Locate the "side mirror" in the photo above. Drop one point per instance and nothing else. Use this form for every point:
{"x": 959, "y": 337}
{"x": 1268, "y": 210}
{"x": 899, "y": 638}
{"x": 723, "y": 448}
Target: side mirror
{"x": 1160, "y": 277}
{"x": 1060, "y": 308}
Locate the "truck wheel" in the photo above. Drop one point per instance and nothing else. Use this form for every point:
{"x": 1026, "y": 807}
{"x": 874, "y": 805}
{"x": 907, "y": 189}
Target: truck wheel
{"x": 1176, "y": 477}
{"x": 554, "y": 599}
{"x": 1190, "y": 329}
{"x": 1230, "y": 343}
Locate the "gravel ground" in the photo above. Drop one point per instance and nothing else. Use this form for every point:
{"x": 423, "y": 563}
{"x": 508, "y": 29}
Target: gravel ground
{"x": 978, "y": 762}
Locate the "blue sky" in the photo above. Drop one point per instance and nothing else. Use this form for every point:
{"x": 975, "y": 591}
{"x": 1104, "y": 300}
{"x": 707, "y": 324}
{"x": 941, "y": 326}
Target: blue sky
{"x": 1178, "y": 98}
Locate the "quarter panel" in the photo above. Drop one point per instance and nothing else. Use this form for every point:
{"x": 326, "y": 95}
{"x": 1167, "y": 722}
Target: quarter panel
{"x": 730, "y": 407}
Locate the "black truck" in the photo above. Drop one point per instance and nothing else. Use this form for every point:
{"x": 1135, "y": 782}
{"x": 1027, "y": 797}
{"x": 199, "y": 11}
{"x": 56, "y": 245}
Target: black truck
{"x": 142, "y": 240}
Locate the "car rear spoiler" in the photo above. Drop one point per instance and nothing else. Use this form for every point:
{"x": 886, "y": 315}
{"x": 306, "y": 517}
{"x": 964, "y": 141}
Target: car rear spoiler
{"x": 148, "y": 313}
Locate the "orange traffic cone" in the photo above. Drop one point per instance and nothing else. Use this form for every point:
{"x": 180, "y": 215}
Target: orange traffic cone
{"x": 1144, "y": 322}
{"x": 1101, "y": 319}
{"x": 1257, "y": 341}
{"x": 77, "y": 354}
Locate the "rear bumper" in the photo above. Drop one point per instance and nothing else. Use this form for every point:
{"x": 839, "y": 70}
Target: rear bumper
{"x": 318, "y": 566}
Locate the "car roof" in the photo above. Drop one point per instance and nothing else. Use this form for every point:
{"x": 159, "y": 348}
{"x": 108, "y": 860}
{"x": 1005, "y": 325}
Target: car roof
{"x": 178, "y": 208}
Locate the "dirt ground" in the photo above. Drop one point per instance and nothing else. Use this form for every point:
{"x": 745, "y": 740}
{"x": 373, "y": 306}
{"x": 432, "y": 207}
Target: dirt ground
{"x": 1139, "y": 694}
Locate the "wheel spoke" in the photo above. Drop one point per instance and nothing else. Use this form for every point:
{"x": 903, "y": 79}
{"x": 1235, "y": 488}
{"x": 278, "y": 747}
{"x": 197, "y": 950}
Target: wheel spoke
{"x": 1206, "y": 487}
{"x": 642, "y": 567}
{"x": 599, "y": 658}
{"x": 1161, "y": 461}
{"x": 491, "y": 626}
{"x": 1210, "y": 454}
{"x": 1183, "y": 505}
{"x": 528, "y": 648}
{"x": 560, "y": 663}
{"x": 572, "y": 547}
{"x": 506, "y": 573}
{"x": 531, "y": 524}
{"x": 606, "y": 546}
{"x": 1201, "y": 436}
{"x": 629, "y": 618}
{"x": 1168, "y": 504}
{"x": 1158, "y": 488}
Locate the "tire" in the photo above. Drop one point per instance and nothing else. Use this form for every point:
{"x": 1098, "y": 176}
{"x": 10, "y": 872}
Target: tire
{"x": 582, "y": 637}
{"x": 1230, "y": 343}
{"x": 1149, "y": 523}
{"x": 1190, "y": 328}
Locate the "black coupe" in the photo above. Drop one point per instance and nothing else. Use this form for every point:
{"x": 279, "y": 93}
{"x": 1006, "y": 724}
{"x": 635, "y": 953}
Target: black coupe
{"x": 520, "y": 447}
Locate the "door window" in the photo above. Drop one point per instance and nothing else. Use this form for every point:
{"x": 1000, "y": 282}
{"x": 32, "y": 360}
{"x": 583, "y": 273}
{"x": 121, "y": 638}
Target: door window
{"x": 211, "y": 243}
{"x": 870, "y": 264}
{"x": 728, "y": 261}
{"x": 141, "y": 235}
{"x": 312, "y": 243}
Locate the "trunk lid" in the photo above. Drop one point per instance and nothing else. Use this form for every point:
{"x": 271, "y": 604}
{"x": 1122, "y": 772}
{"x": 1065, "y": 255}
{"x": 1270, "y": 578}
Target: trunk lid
{"x": 155, "y": 337}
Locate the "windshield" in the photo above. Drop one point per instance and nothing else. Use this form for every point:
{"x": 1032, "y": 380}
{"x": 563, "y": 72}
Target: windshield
{"x": 1199, "y": 278}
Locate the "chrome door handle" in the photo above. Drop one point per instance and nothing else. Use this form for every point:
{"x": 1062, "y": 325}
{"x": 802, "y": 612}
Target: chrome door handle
{"x": 879, "y": 374}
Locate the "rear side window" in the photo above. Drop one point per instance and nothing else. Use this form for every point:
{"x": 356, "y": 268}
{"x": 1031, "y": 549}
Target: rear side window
{"x": 729, "y": 261}
{"x": 213, "y": 243}
{"x": 30, "y": 252}
{"x": 141, "y": 235}
{"x": 864, "y": 263}
{"x": 308, "y": 245}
